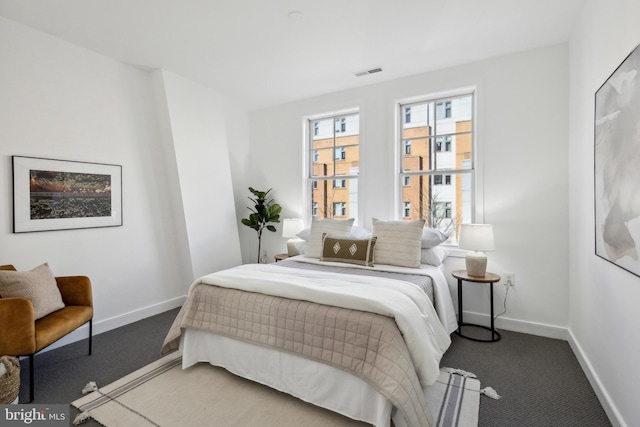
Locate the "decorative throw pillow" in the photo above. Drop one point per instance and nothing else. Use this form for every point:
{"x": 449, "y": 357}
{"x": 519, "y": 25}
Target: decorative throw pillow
{"x": 347, "y": 249}
{"x": 334, "y": 227}
{"x": 432, "y": 237}
{"x": 37, "y": 285}
{"x": 399, "y": 242}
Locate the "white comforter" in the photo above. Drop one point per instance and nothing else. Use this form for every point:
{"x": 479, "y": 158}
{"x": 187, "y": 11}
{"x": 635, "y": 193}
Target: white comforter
{"x": 426, "y": 338}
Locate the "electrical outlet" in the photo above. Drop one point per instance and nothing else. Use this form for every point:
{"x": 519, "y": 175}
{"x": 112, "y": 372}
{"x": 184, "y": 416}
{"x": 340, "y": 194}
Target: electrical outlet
{"x": 509, "y": 279}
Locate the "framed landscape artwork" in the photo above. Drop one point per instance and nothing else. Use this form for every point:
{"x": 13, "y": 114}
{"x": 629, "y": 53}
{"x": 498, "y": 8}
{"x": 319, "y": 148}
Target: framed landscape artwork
{"x": 60, "y": 195}
{"x": 617, "y": 165}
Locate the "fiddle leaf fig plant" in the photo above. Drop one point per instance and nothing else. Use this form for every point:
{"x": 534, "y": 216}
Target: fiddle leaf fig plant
{"x": 263, "y": 212}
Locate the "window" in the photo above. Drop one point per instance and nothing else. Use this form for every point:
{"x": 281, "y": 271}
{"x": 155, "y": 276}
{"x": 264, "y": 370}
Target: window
{"x": 339, "y": 183}
{"x": 443, "y": 209}
{"x": 443, "y": 110}
{"x": 407, "y": 115}
{"x": 443, "y": 143}
{"x": 406, "y": 208}
{"x": 441, "y": 179}
{"x": 440, "y": 164}
{"x": 407, "y": 147}
{"x": 334, "y": 160}
{"x": 339, "y": 209}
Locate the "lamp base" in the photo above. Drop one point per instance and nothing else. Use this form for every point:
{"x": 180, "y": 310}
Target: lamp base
{"x": 476, "y": 263}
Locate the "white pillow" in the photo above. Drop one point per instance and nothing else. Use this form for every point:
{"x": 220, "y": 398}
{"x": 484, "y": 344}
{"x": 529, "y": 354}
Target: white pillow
{"x": 304, "y": 234}
{"x": 433, "y": 256}
{"x": 432, "y": 237}
{"x": 398, "y": 242}
{"x": 334, "y": 227}
{"x": 358, "y": 232}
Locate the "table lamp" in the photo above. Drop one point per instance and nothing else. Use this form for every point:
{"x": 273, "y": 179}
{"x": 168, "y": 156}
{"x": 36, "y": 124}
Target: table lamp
{"x": 291, "y": 227}
{"x": 476, "y": 238}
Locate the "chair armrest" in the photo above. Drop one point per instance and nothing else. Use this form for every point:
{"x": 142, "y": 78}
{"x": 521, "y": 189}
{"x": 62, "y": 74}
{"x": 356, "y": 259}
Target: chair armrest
{"x": 75, "y": 290}
{"x": 17, "y": 333}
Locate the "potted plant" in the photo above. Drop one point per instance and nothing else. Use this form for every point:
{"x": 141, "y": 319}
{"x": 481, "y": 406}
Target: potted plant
{"x": 263, "y": 212}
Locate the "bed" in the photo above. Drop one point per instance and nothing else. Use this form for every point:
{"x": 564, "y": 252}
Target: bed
{"x": 359, "y": 340}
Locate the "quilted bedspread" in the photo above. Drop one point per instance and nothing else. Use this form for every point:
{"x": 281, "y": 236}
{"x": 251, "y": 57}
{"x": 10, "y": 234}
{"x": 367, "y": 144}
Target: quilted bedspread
{"x": 365, "y": 342}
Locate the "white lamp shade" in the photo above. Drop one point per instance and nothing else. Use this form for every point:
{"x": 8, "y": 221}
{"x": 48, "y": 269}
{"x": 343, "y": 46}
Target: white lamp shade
{"x": 291, "y": 226}
{"x": 476, "y": 237}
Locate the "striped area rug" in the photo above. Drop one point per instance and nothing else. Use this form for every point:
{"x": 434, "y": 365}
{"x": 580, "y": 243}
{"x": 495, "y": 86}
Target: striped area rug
{"x": 149, "y": 397}
{"x": 454, "y": 400}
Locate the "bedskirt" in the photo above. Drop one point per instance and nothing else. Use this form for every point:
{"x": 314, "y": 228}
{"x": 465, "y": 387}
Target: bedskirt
{"x": 314, "y": 382}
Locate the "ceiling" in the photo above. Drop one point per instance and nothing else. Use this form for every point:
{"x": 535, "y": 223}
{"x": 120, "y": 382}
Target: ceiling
{"x": 254, "y": 51}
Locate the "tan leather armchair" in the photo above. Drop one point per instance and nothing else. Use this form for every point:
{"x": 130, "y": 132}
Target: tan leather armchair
{"x": 21, "y": 335}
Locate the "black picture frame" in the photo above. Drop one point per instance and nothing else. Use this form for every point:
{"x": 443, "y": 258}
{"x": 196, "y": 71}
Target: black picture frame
{"x": 50, "y": 194}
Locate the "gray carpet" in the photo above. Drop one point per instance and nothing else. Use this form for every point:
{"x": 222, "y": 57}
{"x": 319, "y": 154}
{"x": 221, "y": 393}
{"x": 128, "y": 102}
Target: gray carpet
{"x": 539, "y": 379}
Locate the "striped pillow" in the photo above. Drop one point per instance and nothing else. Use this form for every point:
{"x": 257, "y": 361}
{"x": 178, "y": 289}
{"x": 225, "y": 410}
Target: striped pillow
{"x": 399, "y": 242}
{"x": 349, "y": 250}
{"x": 334, "y": 227}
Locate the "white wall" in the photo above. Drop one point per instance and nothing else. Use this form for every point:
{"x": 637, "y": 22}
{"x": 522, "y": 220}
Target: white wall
{"x": 604, "y": 316}
{"x": 198, "y": 137}
{"x": 61, "y": 101}
{"x": 522, "y": 132}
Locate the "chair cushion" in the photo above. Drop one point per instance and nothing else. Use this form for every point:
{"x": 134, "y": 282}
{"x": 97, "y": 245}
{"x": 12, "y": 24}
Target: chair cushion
{"x": 37, "y": 285}
{"x": 51, "y": 328}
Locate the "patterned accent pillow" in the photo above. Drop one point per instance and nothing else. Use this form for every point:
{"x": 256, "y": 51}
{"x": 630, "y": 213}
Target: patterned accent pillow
{"x": 334, "y": 227}
{"x": 399, "y": 242}
{"x": 347, "y": 249}
{"x": 38, "y": 285}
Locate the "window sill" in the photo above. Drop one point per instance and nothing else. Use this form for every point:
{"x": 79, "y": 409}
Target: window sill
{"x": 454, "y": 251}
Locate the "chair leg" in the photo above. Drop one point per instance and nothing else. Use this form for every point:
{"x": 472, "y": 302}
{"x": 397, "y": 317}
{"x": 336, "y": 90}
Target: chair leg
{"x": 90, "y": 335}
{"x": 31, "y": 387}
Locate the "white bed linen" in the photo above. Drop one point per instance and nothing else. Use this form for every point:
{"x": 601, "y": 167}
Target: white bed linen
{"x": 414, "y": 314}
{"x": 444, "y": 303}
{"x": 306, "y": 379}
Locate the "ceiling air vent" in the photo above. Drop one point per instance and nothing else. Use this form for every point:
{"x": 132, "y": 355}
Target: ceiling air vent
{"x": 367, "y": 72}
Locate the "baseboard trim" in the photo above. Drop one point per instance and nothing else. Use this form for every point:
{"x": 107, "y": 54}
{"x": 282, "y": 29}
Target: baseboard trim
{"x": 114, "y": 322}
{"x": 532, "y": 328}
{"x": 603, "y": 396}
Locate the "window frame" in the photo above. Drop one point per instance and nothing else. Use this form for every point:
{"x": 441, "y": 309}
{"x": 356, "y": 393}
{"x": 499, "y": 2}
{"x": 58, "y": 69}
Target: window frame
{"x": 475, "y": 170}
{"x": 309, "y": 211}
